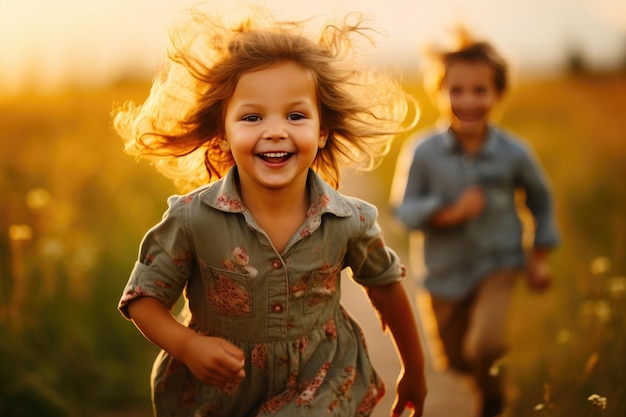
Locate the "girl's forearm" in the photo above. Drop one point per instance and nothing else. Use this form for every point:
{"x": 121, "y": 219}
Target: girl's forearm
{"x": 395, "y": 310}
{"x": 156, "y": 323}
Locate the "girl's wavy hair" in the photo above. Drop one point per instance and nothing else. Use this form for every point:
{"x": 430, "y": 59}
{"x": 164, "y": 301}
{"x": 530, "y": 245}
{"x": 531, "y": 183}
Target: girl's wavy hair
{"x": 179, "y": 126}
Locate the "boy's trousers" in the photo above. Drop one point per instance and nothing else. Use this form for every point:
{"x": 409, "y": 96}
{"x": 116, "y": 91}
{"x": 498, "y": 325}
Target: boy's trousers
{"x": 473, "y": 330}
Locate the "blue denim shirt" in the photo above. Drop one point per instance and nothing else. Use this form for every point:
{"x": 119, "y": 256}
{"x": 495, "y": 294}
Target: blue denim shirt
{"x": 458, "y": 257}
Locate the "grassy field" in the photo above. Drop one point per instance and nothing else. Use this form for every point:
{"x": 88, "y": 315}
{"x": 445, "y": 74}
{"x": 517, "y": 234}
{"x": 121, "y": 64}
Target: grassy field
{"x": 74, "y": 207}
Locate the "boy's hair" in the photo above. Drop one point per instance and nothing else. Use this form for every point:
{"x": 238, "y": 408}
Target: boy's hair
{"x": 469, "y": 50}
{"x": 179, "y": 126}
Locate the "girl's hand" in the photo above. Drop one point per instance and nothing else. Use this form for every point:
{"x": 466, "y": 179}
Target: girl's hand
{"x": 410, "y": 393}
{"x": 213, "y": 360}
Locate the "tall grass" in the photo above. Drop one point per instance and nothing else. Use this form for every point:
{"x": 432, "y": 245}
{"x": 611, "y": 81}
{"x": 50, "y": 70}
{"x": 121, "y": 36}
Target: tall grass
{"x": 72, "y": 212}
{"x": 74, "y": 207}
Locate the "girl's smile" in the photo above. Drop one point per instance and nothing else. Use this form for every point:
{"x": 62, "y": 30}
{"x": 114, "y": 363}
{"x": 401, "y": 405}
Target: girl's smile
{"x": 275, "y": 157}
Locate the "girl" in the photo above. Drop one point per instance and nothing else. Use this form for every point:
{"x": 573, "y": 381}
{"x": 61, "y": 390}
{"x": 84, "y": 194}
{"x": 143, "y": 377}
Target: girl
{"x": 266, "y": 116}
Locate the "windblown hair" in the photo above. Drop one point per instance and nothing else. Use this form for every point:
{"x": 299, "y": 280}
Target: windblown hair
{"x": 179, "y": 126}
{"x": 468, "y": 50}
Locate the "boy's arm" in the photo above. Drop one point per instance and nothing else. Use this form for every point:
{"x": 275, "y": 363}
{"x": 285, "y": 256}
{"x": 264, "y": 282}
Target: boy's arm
{"x": 539, "y": 200}
{"x": 410, "y": 199}
{"x": 468, "y": 206}
{"x": 396, "y": 313}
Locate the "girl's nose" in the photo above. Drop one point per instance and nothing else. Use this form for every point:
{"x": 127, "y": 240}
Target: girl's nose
{"x": 275, "y": 130}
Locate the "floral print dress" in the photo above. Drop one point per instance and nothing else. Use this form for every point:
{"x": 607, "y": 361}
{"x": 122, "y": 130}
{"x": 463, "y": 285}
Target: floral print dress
{"x": 305, "y": 356}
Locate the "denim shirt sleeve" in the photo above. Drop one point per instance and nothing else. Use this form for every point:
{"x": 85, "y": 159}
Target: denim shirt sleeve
{"x": 538, "y": 199}
{"x": 164, "y": 262}
{"x": 417, "y": 204}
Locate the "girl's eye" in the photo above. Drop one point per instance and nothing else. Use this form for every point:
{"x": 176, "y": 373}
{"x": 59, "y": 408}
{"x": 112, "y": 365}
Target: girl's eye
{"x": 295, "y": 116}
{"x": 251, "y": 118}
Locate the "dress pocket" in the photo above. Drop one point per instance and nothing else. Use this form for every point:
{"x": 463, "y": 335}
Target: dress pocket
{"x": 321, "y": 287}
{"x": 229, "y": 293}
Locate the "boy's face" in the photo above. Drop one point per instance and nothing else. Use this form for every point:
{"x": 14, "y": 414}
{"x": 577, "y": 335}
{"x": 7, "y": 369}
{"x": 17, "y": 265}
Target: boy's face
{"x": 471, "y": 91}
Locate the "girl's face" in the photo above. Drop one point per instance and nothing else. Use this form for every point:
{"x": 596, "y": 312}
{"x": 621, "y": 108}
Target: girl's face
{"x": 272, "y": 126}
{"x": 470, "y": 88}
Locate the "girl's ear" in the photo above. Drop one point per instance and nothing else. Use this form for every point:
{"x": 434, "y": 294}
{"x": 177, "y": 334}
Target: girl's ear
{"x": 323, "y": 137}
{"x": 224, "y": 145}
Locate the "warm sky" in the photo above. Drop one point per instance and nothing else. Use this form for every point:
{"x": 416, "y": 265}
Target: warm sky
{"x": 45, "y": 44}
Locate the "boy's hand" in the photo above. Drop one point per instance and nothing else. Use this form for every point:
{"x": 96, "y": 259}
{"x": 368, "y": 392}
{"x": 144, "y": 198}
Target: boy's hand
{"x": 538, "y": 273}
{"x": 471, "y": 203}
{"x": 468, "y": 206}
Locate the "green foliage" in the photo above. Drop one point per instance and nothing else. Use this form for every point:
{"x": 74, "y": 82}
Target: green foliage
{"x": 73, "y": 210}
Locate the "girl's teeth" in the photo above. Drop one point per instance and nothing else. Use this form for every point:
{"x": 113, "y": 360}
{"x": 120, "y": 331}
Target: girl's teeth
{"x": 275, "y": 154}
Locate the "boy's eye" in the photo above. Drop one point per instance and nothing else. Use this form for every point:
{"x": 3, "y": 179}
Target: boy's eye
{"x": 296, "y": 116}
{"x": 251, "y": 118}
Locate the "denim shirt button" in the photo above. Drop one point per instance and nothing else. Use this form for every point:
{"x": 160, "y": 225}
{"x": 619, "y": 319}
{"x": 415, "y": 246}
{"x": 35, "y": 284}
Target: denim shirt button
{"x": 277, "y": 307}
{"x": 276, "y": 264}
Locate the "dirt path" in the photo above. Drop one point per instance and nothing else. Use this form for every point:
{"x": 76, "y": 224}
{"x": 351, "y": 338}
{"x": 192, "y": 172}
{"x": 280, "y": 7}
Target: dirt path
{"x": 448, "y": 395}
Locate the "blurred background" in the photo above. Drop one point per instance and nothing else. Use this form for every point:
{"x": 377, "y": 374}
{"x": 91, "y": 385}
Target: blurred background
{"x": 74, "y": 207}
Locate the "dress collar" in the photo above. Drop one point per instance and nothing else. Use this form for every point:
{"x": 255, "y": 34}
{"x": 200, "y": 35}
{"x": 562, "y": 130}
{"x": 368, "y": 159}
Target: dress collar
{"x": 224, "y": 195}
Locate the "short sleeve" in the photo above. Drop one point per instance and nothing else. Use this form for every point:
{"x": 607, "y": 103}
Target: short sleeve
{"x": 165, "y": 260}
{"x": 372, "y": 263}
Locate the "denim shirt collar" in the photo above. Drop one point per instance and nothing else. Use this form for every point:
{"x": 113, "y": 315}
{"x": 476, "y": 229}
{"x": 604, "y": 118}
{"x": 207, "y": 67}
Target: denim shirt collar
{"x": 451, "y": 143}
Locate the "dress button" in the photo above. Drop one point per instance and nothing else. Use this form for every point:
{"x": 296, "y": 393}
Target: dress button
{"x": 277, "y": 307}
{"x": 276, "y": 264}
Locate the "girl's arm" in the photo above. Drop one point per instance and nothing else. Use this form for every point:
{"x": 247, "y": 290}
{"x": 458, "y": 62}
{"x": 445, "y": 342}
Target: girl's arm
{"x": 394, "y": 308}
{"x": 213, "y": 360}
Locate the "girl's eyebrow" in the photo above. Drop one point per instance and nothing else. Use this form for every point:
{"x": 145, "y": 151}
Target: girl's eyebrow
{"x": 255, "y": 105}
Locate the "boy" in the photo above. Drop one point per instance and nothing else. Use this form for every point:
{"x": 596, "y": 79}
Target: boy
{"x": 460, "y": 193}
